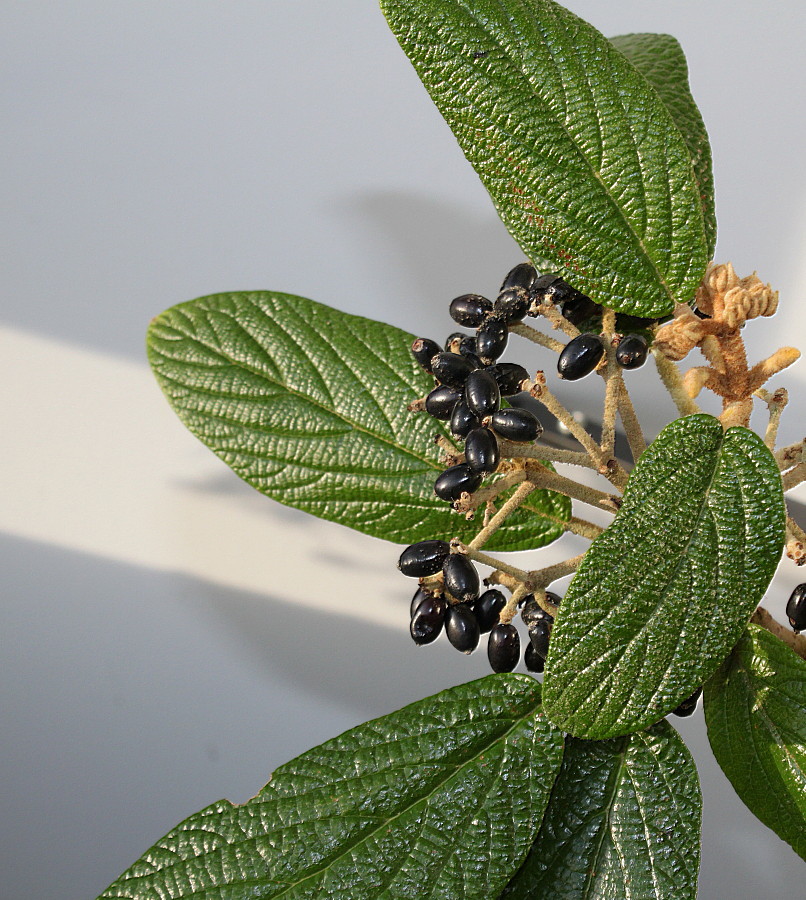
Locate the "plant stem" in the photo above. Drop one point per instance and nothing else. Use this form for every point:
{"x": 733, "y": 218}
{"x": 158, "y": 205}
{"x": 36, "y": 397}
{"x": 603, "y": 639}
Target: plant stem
{"x": 500, "y": 517}
{"x": 673, "y": 382}
{"x": 539, "y": 475}
{"x": 794, "y": 476}
{"x": 632, "y": 427}
{"x": 486, "y": 560}
{"x": 558, "y": 321}
{"x": 775, "y": 404}
{"x": 540, "y": 451}
{"x": 796, "y": 642}
{"x": 583, "y": 528}
{"x": 790, "y": 454}
{"x": 537, "y": 337}
{"x": 541, "y": 578}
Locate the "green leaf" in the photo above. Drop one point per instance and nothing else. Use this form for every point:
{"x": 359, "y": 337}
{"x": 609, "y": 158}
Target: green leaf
{"x": 308, "y": 405}
{"x": 442, "y": 798}
{"x": 623, "y": 823}
{"x": 580, "y": 155}
{"x": 755, "y": 710}
{"x": 665, "y": 592}
{"x": 660, "y": 59}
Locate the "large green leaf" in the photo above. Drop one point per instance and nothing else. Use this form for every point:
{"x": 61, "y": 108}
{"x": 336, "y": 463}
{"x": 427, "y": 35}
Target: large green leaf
{"x": 580, "y": 155}
{"x": 441, "y": 799}
{"x": 660, "y": 59}
{"x": 308, "y": 405}
{"x": 623, "y": 823}
{"x": 755, "y": 710}
{"x": 665, "y": 592}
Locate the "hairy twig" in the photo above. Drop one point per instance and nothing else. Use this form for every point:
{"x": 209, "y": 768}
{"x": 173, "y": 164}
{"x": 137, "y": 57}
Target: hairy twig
{"x": 796, "y": 642}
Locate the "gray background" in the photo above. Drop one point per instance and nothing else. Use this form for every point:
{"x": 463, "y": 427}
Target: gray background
{"x": 158, "y": 651}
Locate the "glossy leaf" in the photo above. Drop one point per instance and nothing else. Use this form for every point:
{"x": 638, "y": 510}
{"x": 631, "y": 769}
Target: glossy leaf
{"x": 755, "y": 710}
{"x": 308, "y": 405}
{"x": 583, "y": 160}
{"x": 665, "y": 592}
{"x": 660, "y": 59}
{"x": 442, "y": 798}
{"x": 623, "y": 823}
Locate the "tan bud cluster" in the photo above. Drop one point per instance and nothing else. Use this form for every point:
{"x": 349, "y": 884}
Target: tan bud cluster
{"x": 676, "y": 339}
{"x": 733, "y": 300}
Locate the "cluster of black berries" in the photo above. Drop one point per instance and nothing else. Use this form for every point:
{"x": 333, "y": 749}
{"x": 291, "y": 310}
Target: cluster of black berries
{"x": 583, "y": 353}
{"x": 468, "y": 614}
{"x": 796, "y": 609}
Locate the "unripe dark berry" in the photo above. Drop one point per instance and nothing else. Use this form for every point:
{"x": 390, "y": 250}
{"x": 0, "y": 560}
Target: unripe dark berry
{"x": 441, "y": 401}
{"x": 461, "y": 578}
{"x": 488, "y": 608}
{"x": 462, "y": 628}
{"x": 632, "y": 351}
{"x": 419, "y": 595}
{"x": 423, "y": 558}
{"x": 482, "y": 393}
{"x": 462, "y": 420}
{"x": 509, "y": 377}
{"x": 533, "y": 612}
{"x": 539, "y": 635}
{"x": 688, "y": 706}
{"x": 579, "y": 307}
{"x": 470, "y": 309}
{"x": 467, "y": 347}
{"x": 517, "y": 425}
{"x": 452, "y": 368}
{"x": 428, "y": 619}
{"x": 453, "y": 482}
{"x": 550, "y": 288}
{"x": 580, "y": 356}
{"x": 503, "y": 648}
{"x": 533, "y": 660}
{"x": 523, "y": 276}
{"x": 424, "y": 350}
{"x": 512, "y": 304}
{"x": 796, "y": 608}
{"x": 491, "y": 338}
{"x": 481, "y": 451}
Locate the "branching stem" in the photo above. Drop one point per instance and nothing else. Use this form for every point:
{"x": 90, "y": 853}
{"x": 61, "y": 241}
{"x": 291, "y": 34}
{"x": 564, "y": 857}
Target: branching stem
{"x": 796, "y": 642}
{"x": 537, "y": 337}
{"x": 673, "y": 382}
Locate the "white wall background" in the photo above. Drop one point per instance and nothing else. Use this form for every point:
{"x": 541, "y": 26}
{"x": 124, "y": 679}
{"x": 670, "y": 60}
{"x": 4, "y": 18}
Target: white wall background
{"x": 158, "y": 652}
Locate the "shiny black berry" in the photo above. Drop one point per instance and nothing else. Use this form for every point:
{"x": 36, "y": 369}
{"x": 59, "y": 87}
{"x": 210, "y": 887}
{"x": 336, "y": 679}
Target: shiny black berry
{"x": 550, "y": 288}
{"x": 491, "y": 338}
{"x": 462, "y": 628}
{"x": 539, "y": 635}
{"x": 533, "y": 660}
{"x": 461, "y": 578}
{"x": 517, "y": 425}
{"x": 428, "y": 619}
{"x": 454, "y": 341}
{"x": 512, "y": 304}
{"x": 523, "y": 276}
{"x": 579, "y": 307}
{"x": 632, "y": 351}
{"x": 452, "y": 368}
{"x": 488, "y": 608}
{"x": 688, "y": 706}
{"x": 463, "y": 421}
{"x": 580, "y": 356}
{"x": 424, "y": 350}
{"x": 503, "y": 648}
{"x": 533, "y": 612}
{"x": 453, "y": 482}
{"x": 482, "y": 393}
{"x": 423, "y": 558}
{"x": 441, "y": 401}
{"x": 467, "y": 347}
{"x": 796, "y": 608}
{"x": 481, "y": 451}
{"x": 509, "y": 376}
{"x": 470, "y": 309}
{"x": 419, "y": 595}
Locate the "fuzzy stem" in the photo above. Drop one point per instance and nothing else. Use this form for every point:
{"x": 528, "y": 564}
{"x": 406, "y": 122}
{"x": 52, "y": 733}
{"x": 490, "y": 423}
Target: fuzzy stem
{"x": 583, "y": 528}
{"x": 790, "y": 454}
{"x": 507, "y": 614}
{"x": 511, "y": 450}
{"x": 608, "y": 443}
{"x": 794, "y": 476}
{"x": 673, "y": 382}
{"x": 487, "y": 560}
{"x": 632, "y": 427}
{"x": 540, "y": 578}
{"x": 486, "y": 494}
{"x": 775, "y": 404}
{"x": 796, "y": 642}
{"x": 500, "y": 517}
{"x": 545, "y": 478}
{"x": 559, "y": 321}
{"x": 537, "y": 337}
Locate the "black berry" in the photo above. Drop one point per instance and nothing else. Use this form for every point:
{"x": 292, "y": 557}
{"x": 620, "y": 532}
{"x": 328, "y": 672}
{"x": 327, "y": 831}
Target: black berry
{"x": 796, "y": 608}
{"x": 523, "y": 276}
{"x": 462, "y": 628}
{"x": 423, "y": 558}
{"x": 488, "y": 608}
{"x": 539, "y": 635}
{"x": 441, "y": 401}
{"x": 452, "y": 368}
{"x": 632, "y": 351}
{"x": 462, "y": 420}
{"x": 517, "y": 425}
{"x": 491, "y": 338}
{"x": 481, "y": 451}
{"x": 424, "y": 350}
{"x": 467, "y": 347}
{"x": 453, "y": 482}
{"x": 503, "y": 648}
{"x": 533, "y": 660}
{"x": 551, "y": 288}
{"x": 509, "y": 376}
{"x": 512, "y": 304}
{"x": 482, "y": 393}
{"x": 428, "y": 619}
{"x": 579, "y": 307}
{"x": 419, "y": 595}
{"x": 454, "y": 341}
{"x": 461, "y": 578}
{"x": 580, "y": 356}
{"x": 470, "y": 309}
{"x": 533, "y": 612}
{"x": 688, "y": 706}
